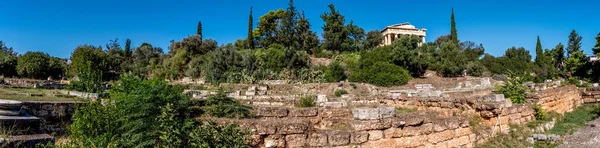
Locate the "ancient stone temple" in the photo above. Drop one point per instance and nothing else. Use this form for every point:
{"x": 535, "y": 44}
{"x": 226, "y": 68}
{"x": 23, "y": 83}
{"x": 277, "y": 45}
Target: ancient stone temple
{"x": 392, "y": 32}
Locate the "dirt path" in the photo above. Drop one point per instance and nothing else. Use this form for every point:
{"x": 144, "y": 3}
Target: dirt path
{"x": 585, "y": 137}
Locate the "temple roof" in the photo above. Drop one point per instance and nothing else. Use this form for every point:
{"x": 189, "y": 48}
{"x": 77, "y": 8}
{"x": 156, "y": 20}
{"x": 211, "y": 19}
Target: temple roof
{"x": 405, "y": 25}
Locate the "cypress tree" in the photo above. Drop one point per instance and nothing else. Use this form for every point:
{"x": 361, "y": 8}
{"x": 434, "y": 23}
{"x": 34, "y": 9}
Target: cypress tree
{"x": 539, "y": 52}
{"x": 454, "y": 35}
{"x": 250, "y": 39}
{"x": 596, "y": 49}
{"x": 199, "y": 30}
{"x": 128, "y": 48}
{"x": 288, "y": 26}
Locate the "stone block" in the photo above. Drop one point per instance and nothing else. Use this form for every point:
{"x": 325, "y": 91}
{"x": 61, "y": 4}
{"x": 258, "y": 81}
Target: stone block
{"x": 387, "y": 111}
{"x": 362, "y": 125}
{"x": 262, "y": 88}
{"x": 271, "y": 112}
{"x": 411, "y": 119}
{"x": 339, "y": 138}
{"x": 441, "y": 136}
{"x": 317, "y": 139}
{"x": 417, "y": 130}
{"x": 366, "y": 113}
{"x": 295, "y": 140}
{"x": 359, "y": 137}
{"x": 265, "y": 129}
{"x": 463, "y": 131}
{"x": 375, "y": 135}
{"x": 304, "y": 112}
{"x": 274, "y": 141}
{"x": 493, "y": 98}
{"x": 295, "y": 127}
{"x": 321, "y": 98}
{"x": 336, "y": 104}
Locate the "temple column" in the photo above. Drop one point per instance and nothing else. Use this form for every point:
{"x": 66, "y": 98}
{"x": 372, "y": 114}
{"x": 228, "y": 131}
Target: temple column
{"x": 423, "y": 38}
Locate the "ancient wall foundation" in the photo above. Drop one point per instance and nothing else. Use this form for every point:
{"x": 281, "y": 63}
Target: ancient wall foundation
{"x": 54, "y": 115}
{"x": 561, "y": 99}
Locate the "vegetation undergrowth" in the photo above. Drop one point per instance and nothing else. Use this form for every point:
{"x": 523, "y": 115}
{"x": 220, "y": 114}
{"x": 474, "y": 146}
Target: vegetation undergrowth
{"x": 340, "y": 92}
{"x": 306, "y": 101}
{"x": 401, "y": 110}
{"x": 571, "y": 121}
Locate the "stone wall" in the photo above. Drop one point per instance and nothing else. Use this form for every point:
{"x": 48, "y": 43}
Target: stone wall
{"x": 561, "y": 99}
{"x": 54, "y": 115}
{"x": 591, "y": 95}
{"x": 408, "y": 130}
{"x": 31, "y": 83}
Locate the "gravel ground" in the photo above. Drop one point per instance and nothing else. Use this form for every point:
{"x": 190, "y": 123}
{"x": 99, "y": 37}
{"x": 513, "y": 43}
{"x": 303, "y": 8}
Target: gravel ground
{"x": 585, "y": 137}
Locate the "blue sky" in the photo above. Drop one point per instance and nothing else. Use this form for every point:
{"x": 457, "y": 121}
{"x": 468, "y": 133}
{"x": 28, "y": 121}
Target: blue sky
{"x": 58, "y": 26}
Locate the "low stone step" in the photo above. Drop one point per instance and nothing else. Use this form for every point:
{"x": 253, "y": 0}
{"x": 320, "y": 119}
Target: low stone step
{"x": 21, "y": 124}
{"x": 4, "y": 112}
{"x": 26, "y": 141}
{"x": 10, "y": 104}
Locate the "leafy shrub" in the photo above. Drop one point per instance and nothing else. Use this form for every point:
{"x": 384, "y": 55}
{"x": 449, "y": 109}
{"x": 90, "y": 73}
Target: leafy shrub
{"x": 514, "y": 89}
{"x": 540, "y": 114}
{"x": 476, "y": 69}
{"x": 306, "y": 102}
{"x": 334, "y": 72}
{"x": 381, "y": 74}
{"x": 340, "y": 92}
{"x": 220, "y": 105}
{"x": 128, "y": 119}
{"x": 450, "y": 70}
{"x": 577, "y": 118}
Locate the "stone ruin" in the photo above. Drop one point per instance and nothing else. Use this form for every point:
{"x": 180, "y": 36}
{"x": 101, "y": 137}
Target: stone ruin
{"x": 23, "y": 129}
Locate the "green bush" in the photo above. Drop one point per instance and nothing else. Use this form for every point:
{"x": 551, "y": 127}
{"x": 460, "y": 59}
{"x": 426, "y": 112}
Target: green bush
{"x": 129, "y": 119}
{"x": 540, "y": 114}
{"x": 476, "y": 69}
{"x": 381, "y": 74}
{"x": 306, "y": 102}
{"x": 513, "y": 89}
{"x": 220, "y": 105}
{"x": 340, "y": 92}
{"x": 335, "y": 72}
{"x": 571, "y": 121}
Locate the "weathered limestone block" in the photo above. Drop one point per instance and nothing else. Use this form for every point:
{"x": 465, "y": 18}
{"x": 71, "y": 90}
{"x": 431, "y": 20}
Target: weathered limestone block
{"x": 463, "y": 131}
{"x": 334, "y": 112}
{"x": 393, "y": 132}
{"x": 271, "y": 112}
{"x": 304, "y": 112}
{"x": 411, "y": 119}
{"x": 275, "y": 141}
{"x": 317, "y": 139}
{"x": 296, "y": 140}
{"x": 375, "y": 135}
{"x": 362, "y": 125}
{"x": 265, "y": 128}
{"x": 335, "y": 104}
{"x": 293, "y": 127}
{"x": 359, "y": 137}
{"x": 417, "y": 130}
{"x": 321, "y": 98}
{"x": 441, "y": 136}
{"x": 493, "y": 98}
{"x": 366, "y": 113}
{"x": 339, "y": 138}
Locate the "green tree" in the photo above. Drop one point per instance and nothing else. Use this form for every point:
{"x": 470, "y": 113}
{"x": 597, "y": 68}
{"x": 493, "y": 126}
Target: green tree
{"x": 471, "y": 51}
{"x": 576, "y": 62}
{"x": 574, "y": 43}
{"x": 143, "y": 57}
{"x": 517, "y": 59}
{"x": 558, "y": 56}
{"x": 454, "y": 34}
{"x": 199, "y": 31}
{"x": 514, "y": 89}
{"x": 85, "y": 53}
{"x": 335, "y": 72}
{"x": 288, "y": 34}
{"x": 354, "y": 37}
{"x": 596, "y": 48}
{"x": 307, "y": 39}
{"x": 381, "y": 74}
{"x": 250, "y": 38}
{"x": 33, "y": 65}
{"x": 267, "y": 30}
{"x": 374, "y": 38}
{"x": 128, "y": 51}
{"x": 8, "y": 60}
{"x": 333, "y": 30}
{"x": 539, "y": 52}
{"x": 451, "y": 61}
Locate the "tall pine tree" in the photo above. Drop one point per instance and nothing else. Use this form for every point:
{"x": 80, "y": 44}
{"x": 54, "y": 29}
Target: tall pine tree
{"x": 333, "y": 30}
{"x": 597, "y": 46}
{"x": 250, "y": 39}
{"x": 454, "y": 35}
{"x": 128, "y": 48}
{"x": 539, "y": 52}
{"x": 307, "y": 39}
{"x": 574, "y": 43}
{"x": 559, "y": 56}
{"x": 288, "y": 25}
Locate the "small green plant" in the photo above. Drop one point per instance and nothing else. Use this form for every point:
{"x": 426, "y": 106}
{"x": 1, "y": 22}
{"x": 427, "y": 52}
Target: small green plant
{"x": 401, "y": 110}
{"x": 540, "y": 114}
{"x": 340, "y": 92}
{"x": 220, "y": 105}
{"x": 353, "y": 86}
{"x": 306, "y": 102}
{"x": 513, "y": 89}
